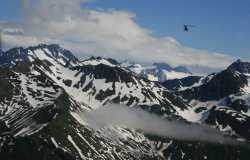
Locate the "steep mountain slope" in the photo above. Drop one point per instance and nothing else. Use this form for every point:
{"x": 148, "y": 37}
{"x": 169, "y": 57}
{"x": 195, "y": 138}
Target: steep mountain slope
{"x": 183, "y": 83}
{"x": 224, "y": 100}
{"x": 45, "y": 91}
{"x": 158, "y": 71}
{"x": 179, "y": 84}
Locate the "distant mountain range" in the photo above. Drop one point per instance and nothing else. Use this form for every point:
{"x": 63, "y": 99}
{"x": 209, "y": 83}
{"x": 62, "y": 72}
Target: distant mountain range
{"x": 158, "y": 71}
{"x": 45, "y": 89}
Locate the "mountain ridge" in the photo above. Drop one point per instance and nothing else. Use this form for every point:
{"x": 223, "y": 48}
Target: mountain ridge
{"x": 158, "y": 71}
{"x": 43, "y": 96}
{"x": 222, "y": 99}
{"x": 12, "y": 56}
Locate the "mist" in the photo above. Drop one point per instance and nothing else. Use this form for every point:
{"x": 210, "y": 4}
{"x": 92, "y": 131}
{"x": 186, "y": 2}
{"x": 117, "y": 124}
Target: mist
{"x": 138, "y": 119}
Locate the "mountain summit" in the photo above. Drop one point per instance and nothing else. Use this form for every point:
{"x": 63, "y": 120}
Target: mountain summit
{"x": 42, "y": 51}
{"x": 158, "y": 71}
{"x": 242, "y": 67}
{"x": 220, "y": 99}
{"x": 48, "y": 91}
{"x": 39, "y": 110}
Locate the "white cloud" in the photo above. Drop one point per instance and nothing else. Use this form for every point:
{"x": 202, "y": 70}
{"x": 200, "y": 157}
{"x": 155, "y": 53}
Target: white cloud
{"x": 123, "y": 116}
{"x": 108, "y": 33}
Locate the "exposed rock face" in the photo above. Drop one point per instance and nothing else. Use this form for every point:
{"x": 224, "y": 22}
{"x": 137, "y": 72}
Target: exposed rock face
{"x": 44, "y": 88}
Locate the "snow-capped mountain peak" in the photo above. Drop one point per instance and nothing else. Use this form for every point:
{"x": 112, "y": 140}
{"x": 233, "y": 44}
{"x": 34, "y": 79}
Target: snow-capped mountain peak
{"x": 242, "y": 67}
{"x": 158, "y": 71}
{"x": 48, "y": 91}
{"x": 42, "y": 52}
{"x": 99, "y": 60}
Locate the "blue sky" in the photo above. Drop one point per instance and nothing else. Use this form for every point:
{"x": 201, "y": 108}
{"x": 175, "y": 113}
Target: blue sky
{"x": 222, "y": 25}
{"x": 221, "y": 32}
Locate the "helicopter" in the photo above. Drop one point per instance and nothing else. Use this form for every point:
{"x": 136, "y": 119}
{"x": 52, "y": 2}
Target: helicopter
{"x": 186, "y": 27}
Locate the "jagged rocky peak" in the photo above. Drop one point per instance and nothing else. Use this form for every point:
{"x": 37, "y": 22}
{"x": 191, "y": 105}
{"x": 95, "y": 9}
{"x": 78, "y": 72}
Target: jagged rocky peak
{"x": 135, "y": 66}
{"x": 12, "y": 56}
{"x": 160, "y": 71}
{"x": 100, "y": 60}
{"x": 42, "y": 51}
{"x": 167, "y": 67}
{"x": 56, "y": 51}
{"x": 239, "y": 66}
{"x": 182, "y": 69}
{"x": 163, "y": 66}
{"x": 16, "y": 50}
{"x": 41, "y": 100}
{"x": 220, "y": 86}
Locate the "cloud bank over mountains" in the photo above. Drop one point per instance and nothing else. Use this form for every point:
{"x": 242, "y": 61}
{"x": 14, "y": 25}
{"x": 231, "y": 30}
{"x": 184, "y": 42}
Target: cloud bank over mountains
{"x": 108, "y": 33}
{"x": 114, "y": 115}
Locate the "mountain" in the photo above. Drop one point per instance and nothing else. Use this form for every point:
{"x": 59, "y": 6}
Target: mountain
{"x": 182, "y": 83}
{"x": 158, "y": 71}
{"x": 222, "y": 100}
{"x": 46, "y": 87}
{"x": 239, "y": 66}
{"x": 179, "y": 84}
{"x": 14, "y": 55}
